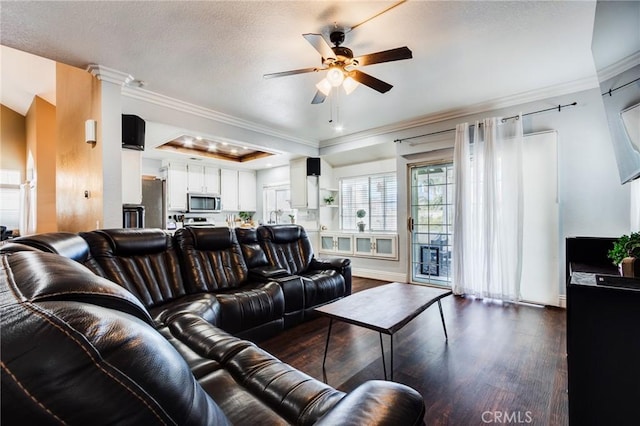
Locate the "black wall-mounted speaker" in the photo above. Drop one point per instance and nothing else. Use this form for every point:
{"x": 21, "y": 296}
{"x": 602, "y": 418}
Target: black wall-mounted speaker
{"x": 133, "y": 128}
{"x": 313, "y": 166}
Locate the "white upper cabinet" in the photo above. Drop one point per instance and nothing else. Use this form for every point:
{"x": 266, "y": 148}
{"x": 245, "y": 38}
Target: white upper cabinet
{"x": 211, "y": 180}
{"x": 176, "y": 186}
{"x": 131, "y": 177}
{"x": 203, "y": 179}
{"x": 304, "y": 189}
{"x": 229, "y": 189}
{"x": 247, "y": 190}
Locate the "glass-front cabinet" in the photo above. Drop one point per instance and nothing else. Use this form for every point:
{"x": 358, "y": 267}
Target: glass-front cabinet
{"x": 375, "y": 245}
{"x": 360, "y": 244}
{"x": 336, "y": 243}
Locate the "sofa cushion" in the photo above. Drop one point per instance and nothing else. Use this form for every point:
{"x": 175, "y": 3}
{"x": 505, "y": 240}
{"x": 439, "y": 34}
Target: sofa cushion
{"x": 212, "y": 259}
{"x": 143, "y": 261}
{"x": 253, "y": 374}
{"x": 253, "y": 254}
{"x": 76, "y": 362}
{"x": 287, "y": 247}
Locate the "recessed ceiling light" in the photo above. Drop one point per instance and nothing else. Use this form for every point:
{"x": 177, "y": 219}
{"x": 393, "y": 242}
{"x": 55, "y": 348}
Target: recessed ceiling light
{"x": 244, "y": 147}
{"x": 198, "y": 138}
{"x": 188, "y": 143}
{"x": 234, "y": 151}
{"x": 225, "y": 143}
{"x": 212, "y": 147}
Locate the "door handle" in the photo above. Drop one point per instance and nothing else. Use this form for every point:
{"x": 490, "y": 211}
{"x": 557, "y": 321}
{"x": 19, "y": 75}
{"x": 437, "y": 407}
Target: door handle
{"x": 410, "y": 224}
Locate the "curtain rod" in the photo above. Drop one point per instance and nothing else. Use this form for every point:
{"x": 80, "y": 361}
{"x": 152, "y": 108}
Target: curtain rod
{"x": 610, "y": 91}
{"x": 559, "y": 108}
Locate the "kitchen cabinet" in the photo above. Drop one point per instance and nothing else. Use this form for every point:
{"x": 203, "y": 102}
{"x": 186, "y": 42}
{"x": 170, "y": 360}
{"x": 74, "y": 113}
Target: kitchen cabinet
{"x": 247, "y": 191}
{"x": 211, "y": 180}
{"x": 203, "y": 179}
{"x": 229, "y": 189}
{"x": 176, "y": 186}
{"x": 304, "y": 189}
{"x": 238, "y": 190}
{"x": 131, "y": 177}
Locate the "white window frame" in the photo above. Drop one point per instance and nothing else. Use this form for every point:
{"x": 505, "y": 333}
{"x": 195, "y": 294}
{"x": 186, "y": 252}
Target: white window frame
{"x": 386, "y": 218}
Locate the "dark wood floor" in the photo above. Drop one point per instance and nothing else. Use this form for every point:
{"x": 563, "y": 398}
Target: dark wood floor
{"x": 506, "y": 361}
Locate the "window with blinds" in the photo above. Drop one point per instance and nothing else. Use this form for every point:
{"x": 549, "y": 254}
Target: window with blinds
{"x": 376, "y": 195}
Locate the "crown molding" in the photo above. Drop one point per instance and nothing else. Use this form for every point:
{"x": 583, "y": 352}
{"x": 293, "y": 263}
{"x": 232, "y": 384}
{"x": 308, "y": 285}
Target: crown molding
{"x": 498, "y": 103}
{"x": 619, "y": 67}
{"x": 189, "y": 108}
{"x": 110, "y": 75}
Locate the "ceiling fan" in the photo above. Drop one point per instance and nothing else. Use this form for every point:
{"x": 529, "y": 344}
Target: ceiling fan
{"x": 342, "y": 66}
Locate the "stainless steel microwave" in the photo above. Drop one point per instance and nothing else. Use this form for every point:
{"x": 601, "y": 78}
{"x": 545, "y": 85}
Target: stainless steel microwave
{"x": 203, "y": 203}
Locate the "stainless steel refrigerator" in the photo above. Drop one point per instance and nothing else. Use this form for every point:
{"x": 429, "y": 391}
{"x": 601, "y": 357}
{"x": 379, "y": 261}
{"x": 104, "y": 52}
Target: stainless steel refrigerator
{"x": 153, "y": 200}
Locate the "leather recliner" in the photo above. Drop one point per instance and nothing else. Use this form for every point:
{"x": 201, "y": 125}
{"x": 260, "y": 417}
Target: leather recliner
{"x": 288, "y": 247}
{"x": 212, "y": 262}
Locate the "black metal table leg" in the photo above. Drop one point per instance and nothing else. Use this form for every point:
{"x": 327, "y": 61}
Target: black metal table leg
{"x": 326, "y": 347}
{"x": 391, "y": 367}
{"x": 446, "y": 337}
{"x": 384, "y": 364}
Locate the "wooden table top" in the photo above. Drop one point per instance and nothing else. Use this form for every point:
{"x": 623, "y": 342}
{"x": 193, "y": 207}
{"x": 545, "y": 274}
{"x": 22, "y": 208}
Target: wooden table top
{"x": 386, "y": 308}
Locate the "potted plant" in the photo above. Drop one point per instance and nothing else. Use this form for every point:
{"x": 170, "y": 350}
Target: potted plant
{"x": 360, "y": 214}
{"x": 328, "y": 200}
{"x": 245, "y": 216}
{"x": 293, "y": 218}
{"x": 623, "y": 247}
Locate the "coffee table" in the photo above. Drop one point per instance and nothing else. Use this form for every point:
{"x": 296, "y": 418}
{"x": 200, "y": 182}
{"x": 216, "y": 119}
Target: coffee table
{"x": 385, "y": 309}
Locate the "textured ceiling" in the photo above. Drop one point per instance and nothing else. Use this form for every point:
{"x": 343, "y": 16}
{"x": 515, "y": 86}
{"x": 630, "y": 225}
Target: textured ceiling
{"x": 214, "y": 54}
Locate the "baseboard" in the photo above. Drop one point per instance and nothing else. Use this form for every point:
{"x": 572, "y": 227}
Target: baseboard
{"x": 562, "y": 301}
{"x": 379, "y": 275}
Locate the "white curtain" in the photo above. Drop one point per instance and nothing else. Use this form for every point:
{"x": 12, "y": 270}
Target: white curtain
{"x": 487, "y": 229}
{"x": 27, "y": 224}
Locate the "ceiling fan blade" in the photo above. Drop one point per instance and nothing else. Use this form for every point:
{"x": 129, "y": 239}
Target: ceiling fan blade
{"x": 292, "y": 72}
{"x": 384, "y": 56}
{"x": 370, "y": 81}
{"x": 320, "y": 44}
{"x": 319, "y": 98}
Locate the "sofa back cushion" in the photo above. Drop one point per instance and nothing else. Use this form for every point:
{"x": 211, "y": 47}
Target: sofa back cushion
{"x": 286, "y": 247}
{"x": 253, "y": 254}
{"x": 65, "y": 244}
{"x": 77, "y": 349}
{"x": 144, "y": 261}
{"x": 211, "y": 257}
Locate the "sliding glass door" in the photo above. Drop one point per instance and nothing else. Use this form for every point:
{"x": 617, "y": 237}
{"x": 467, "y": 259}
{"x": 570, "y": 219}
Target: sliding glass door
{"x": 431, "y": 223}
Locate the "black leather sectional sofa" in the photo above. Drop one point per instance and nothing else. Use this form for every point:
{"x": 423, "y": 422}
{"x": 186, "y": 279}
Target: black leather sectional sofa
{"x": 134, "y": 326}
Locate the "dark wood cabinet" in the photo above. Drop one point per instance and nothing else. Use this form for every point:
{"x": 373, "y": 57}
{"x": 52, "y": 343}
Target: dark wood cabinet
{"x": 603, "y": 350}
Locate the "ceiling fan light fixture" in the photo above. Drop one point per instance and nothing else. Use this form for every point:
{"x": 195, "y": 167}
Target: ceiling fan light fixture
{"x": 349, "y": 85}
{"x": 335, "y": 76}
{"x": 324, "y": 86}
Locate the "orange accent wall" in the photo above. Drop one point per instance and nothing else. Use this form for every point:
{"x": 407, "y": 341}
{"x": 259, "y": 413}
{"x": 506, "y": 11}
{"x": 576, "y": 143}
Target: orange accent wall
{"x": 41, "y": 164}
{"x": 13, "y": 141}
{"x": 79, "y": 164}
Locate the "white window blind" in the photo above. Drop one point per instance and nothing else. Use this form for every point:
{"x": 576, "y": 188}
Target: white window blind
{"x": 376, "y": 195}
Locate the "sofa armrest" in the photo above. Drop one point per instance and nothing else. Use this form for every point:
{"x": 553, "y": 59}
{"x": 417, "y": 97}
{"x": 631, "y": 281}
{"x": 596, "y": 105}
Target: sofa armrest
{"x": 267, "y": 273}
{"x": 342, "y": 265}
{"x": 336, "y": 263}
{"x": 377, "y": 402}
